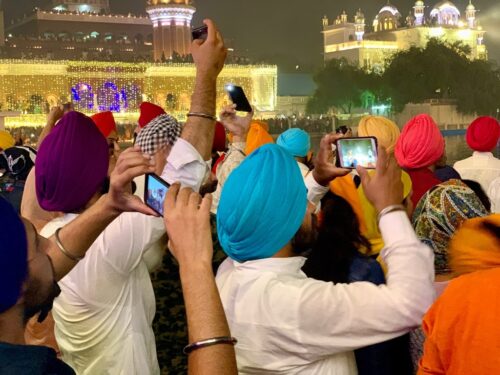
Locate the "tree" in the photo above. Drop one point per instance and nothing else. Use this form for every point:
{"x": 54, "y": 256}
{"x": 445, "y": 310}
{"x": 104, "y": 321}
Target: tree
{"x": 442, "y": 71}
{"x": 340, "y": 85}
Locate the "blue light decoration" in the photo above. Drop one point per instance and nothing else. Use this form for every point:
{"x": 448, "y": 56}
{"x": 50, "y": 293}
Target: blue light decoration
{"x": 108, "y": 98}
{"x": 83, "y": 97}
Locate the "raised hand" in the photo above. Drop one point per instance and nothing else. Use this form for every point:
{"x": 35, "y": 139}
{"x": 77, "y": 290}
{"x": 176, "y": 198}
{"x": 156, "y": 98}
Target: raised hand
{"x": 187, "y": 219}
{"x": 325, "y": 171}
{"x": 130, "y": 164}
{"x": 236, "y": 125}
{"x": 209, "y": 55}
{"x": 384, "y": 188}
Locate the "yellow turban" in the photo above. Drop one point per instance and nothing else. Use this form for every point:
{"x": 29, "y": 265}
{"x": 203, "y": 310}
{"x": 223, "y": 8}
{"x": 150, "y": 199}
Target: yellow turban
{"x": 475, "y": 246}
{"x": 385, "y": 130}
{"x": 372, "y": 232}
{"x": 6, "y": 140}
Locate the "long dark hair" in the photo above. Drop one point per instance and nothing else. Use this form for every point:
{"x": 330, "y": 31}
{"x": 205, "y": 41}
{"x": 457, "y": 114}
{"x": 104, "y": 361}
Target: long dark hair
{"x": 338, "y": 243}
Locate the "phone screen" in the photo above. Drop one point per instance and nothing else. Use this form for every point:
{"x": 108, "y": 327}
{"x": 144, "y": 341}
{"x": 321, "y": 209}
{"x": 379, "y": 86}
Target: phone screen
{"x": 239, "y": 98}
{"x": 155, "y": 192}
{"x": 200, "y": 33}
{"x": 352, "y": 152}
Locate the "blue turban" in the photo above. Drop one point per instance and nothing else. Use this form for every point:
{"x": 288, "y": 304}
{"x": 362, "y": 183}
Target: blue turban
{"x": 262, "y": 205}
{"x": 13, "y": 256}
{"x": 295, "y": 141}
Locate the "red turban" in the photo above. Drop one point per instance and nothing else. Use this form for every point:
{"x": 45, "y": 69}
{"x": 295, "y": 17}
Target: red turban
{"x": 483, "y": 134}
{"x": 219, "y": 138}
{"x": 105, "y": 122}
{"x": 149, "y": 112}
{"x": 420, "y": 144}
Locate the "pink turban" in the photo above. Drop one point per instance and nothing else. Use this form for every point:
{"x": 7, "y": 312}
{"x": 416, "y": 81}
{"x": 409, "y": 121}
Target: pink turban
{"x": 483, "y": 134}
{"x": 71, "y": 164}
{"x": 421, "y": 143}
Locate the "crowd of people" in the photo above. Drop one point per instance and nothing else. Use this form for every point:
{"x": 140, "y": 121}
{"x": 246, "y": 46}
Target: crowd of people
{"x": 268, "y": 259}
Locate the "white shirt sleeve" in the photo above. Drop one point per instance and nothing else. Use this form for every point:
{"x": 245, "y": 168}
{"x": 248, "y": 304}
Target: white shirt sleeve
{"x": 185, "y": 165}
{"x": 337, "y": 318}
{"x": 315, "y": 191}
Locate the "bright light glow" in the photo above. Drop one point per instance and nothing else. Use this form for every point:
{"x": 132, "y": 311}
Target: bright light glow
{"x": 436, "y": 31}
{"x": 465, "y": 34}
{"x": 391, "y": 9}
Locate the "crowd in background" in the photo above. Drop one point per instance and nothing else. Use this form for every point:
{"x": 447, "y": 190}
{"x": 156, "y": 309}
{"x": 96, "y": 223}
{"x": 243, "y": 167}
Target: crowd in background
{"x": 270, "y": 258}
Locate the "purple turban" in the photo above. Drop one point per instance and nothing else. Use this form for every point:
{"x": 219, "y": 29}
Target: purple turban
{"x": 71, "y": 165}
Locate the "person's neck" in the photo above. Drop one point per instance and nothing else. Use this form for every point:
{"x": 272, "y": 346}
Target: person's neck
{"x": 285, "y": 252}
{"x": 11, "y": 326}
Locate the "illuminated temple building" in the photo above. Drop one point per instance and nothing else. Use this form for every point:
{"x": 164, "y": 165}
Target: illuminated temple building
{"x": 369, "y": 45}
{"x": 77, "y": 50}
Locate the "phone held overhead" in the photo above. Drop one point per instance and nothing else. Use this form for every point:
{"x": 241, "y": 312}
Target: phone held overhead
{"x": 238, "y": 97}
{"x": 155, "y": 192}
{"x": 200, "y": 33}
{"x": 354, "y": 152}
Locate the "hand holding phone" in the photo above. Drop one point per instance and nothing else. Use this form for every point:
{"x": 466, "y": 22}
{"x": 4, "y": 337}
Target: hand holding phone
{"x": 238, "y": 97}
{"x": 155, "y": 192}
{"x": 354, "y": 152}
{"x": 200, "y": 33}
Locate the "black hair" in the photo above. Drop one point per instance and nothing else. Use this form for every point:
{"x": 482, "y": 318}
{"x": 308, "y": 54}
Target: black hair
{"x": 476, "y": 188}
{"x": 338, "y": 243}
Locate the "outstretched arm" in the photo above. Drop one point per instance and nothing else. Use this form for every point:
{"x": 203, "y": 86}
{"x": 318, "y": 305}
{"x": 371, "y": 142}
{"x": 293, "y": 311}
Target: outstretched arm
{"x": 188, "y": 227}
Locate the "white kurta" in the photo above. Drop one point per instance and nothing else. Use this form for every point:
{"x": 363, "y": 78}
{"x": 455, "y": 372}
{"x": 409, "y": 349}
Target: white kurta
{"x": 105, "y": 312}
{"x": 481, "y": 167}
{"x": 287, "y": 323}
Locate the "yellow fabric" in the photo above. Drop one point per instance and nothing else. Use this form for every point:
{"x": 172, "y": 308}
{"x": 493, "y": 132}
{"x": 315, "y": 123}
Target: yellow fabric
{"x": 385, "y": 130}
{"x": 372, "y": 232}
{"x": 258, "y": 136}
{"x": 344, "y": 187}
{"x": 473, "y": 247}
{"x": 6, "y": 140}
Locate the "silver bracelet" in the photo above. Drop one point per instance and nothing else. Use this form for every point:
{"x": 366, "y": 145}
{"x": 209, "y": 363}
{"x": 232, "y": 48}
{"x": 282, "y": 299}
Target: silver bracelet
{"x": 202, "y": 115}
{"x": 63, "y": 250}
{"x": 389, "y": 209}
{"x": 227, "y": 340}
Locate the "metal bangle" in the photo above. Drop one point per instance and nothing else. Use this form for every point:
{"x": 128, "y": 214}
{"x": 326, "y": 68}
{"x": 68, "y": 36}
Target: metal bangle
{"x": 389, "y": 209}
{"x": 63, "y": 250}
{"x": 202, "y": 115}
{"x": 227, "y": 340}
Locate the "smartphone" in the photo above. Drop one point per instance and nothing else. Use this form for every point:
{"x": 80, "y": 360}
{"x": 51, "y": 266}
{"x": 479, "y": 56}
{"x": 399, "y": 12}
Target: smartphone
{"x": 352, "y": 152}
{"x": 155, "y": 192}
{"x": 238, "y": 97}
{"x": 200, "y": 33}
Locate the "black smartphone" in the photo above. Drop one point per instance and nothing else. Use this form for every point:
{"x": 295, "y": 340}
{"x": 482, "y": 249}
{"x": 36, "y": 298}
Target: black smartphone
{"x": 238, "y": 97}
{"x": 200, "y": 33}
{"x": 352, "y": 152}
{"x": 155, "y": 192}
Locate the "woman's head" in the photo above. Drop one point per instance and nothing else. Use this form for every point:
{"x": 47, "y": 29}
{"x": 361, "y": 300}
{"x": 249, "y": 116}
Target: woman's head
{"x": 440, "y": 213}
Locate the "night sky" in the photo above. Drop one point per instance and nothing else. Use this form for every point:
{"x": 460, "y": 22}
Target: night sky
{"x": 287, "y": 32}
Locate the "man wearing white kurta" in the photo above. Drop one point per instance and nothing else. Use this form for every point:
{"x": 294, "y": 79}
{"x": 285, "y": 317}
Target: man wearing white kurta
{"x": 285, "y": 322}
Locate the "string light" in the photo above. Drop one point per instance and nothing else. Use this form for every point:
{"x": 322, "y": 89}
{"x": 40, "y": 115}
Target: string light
{"x": 35, "y": 85}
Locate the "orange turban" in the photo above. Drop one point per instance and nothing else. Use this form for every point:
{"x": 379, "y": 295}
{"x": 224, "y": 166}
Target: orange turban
{"x": 6, "y": 140}
{"x": 105, "y": 122}
{"x": 476, "y": 245}
{"x": 421, "y": 143}
{"x": 258, "y": 136}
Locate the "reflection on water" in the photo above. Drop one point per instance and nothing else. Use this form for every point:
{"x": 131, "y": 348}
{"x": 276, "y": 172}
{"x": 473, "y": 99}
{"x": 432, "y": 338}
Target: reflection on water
{"x": 456, "y": 147}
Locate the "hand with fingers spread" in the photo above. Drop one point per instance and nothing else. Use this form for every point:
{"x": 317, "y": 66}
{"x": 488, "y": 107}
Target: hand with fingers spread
{"x": 209, "y": 55}
{"x": 187, "y": 219}
{"x": 130, "y": 164}
{"x": 325, "y": 171}
{"x": 384, "y": 188}
{"x": 238, "y": 126}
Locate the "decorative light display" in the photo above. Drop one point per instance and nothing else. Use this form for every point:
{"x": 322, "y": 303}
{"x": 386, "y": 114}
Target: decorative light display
{"x": 121, "y": 87}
